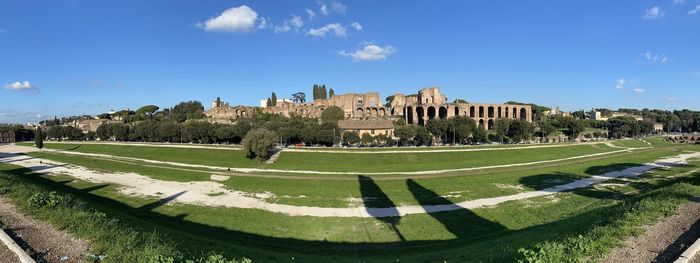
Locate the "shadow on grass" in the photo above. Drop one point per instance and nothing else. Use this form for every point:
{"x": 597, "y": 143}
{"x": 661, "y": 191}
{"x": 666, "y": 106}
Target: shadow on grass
{"x": 475, "y": 236}
{"x": 378, "y": 204}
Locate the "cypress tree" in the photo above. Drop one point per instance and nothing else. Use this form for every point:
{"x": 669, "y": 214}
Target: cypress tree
{"x": 269, "y": 102}
{"x": 39, "y": 139}
{"x": 324, "y": 94}
{"x": 274, "y": 99}
{"x": 315, "y": 95}
{"x": 331, "y": 93}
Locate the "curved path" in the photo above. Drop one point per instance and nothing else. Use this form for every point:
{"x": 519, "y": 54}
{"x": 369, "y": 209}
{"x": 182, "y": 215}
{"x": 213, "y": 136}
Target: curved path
{"x": 21, "y": 149}
{"x": 200, "y": 193}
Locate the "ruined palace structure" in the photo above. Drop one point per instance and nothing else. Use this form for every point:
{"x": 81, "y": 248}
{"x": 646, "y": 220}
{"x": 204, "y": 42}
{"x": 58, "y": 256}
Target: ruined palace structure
{"x": 428, "y": 104}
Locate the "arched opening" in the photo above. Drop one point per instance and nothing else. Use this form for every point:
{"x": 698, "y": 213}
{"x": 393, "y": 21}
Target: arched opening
{"x": 420, "y": 113}
{"x": 499, "y": 112}
{"x": 490, "y": 124}
{"x": 408, "y": 112}
{"x": 481, "y": 123}
{"x": 481, "y": 111}
{"x": 507, "y": 112}
{"x": 382, "y": 112}
{"x": 491, "y": 112}
{"x": 523, "y": 114}
{"x": 442, "y": 113}
{"x": 456, "y": 111}
{"x": 431, "y": 112}
{"x": 359, "y": 113}
{"x": 375, "y": 112}
{"x": 368, "y": 112}
{"x": 515, "y": 113}
{"x": 472, "y": 112}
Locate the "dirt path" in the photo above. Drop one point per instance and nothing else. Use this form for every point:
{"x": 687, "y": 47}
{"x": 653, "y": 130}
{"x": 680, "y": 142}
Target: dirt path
{"x": 48, "y": 243}
{"x": 663, "y": 241}
{"x": 200, "y": 193}
{"x": 23, "y": 149}
{"x": 6, "y": 256}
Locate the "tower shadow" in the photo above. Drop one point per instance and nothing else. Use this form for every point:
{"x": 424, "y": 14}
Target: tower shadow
{"x": 461, "y": 222}
{"x": 378, "y": 205}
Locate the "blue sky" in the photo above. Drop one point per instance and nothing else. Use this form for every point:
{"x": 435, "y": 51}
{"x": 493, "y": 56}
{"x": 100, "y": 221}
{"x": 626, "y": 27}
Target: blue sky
{"x": 86, "y": 57}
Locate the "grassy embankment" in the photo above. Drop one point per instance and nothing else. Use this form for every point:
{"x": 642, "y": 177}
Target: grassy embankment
{"x": 572, "y": 225}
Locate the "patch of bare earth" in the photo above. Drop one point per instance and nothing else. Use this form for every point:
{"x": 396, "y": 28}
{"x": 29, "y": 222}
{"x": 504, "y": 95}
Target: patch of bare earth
{"x": 664, "y": 241}
{"x": 44, "y": 242}
{"x": 6, "y": 255}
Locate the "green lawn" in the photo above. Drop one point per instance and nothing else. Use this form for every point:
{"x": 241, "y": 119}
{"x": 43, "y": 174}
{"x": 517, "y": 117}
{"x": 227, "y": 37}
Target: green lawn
{"x": 458, "y": 187}
{"x": 631, "y": 143}
{"x": 486, "y": 234}
{"x": 342, "y": 162}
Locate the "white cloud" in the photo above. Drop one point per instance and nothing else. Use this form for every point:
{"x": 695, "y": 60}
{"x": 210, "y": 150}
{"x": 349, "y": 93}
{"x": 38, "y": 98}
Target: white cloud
{"x": 38, "y": 116}
{"x": 337, "y": 29}
{"x": 295, "y": 23}
{"x": 338, "y": 7}
{"x": 263, "y": 23}
{"x": 620, "y": 83}
{"x": 235, "y": 19}
{"x": 369, "y": 52}
{"x": 653, "y": 13}
{"x": 356, "y": 26}
{"x": 20, "y": 85}
{"x": 678, "y": 2}
{"x": 311, "y": 14}
{"x": 323, "y": 8}
{"x": 695, "y": 10}
{"x": 638, "y": 90}
{"x": 655, "y": 58}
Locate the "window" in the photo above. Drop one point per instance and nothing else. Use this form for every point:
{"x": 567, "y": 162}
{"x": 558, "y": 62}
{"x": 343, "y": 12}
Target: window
{"x": 372, "y": 131}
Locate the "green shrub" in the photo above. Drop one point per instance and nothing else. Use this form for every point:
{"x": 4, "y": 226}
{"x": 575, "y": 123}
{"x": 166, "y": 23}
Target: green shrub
{"x": 50, "y": 200}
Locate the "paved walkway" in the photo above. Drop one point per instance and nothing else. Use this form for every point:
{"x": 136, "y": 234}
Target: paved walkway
{"x": 201, "y": 193}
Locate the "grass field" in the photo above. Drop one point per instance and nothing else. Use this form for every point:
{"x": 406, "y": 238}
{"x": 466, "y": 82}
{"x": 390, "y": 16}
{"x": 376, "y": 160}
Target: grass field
{"x": 341, "y": 162}
{"x": 587, "y": 222}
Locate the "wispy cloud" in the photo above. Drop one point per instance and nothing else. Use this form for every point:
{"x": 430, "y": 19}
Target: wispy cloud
{"x": 694, "y": 10}
{"x": 335, "y": 28}
{"x": 620, "y": 83}
{"x": 655, "y": 58}
{"x": 20, "y": 86}
{"x": 338, "y": 7}
{"x": 295, "y": 23}
{"x": 678, "y": 2}
{"x": 639, "y": 90}
{"x": 235, "y": 19}
{"x": 653, "y": 13}
{"x": 311, "y": 14}
{"x": 356, "y": 26}
{"x": 369, "y": 52}
{"x": 335, "y": 6}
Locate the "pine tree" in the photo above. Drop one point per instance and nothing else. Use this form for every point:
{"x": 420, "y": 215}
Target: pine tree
{"x": 39, "y": 139}
{"x": 274, "y": 99}
{"x": 324, "y": 94}
{"x": 331, "y": 93}
{"x": 269, "y": 102}
{"x": 315, "y": 95}
{"x": 218, "y": 102}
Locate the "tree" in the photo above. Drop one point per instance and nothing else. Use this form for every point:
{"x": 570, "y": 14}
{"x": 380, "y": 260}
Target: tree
{"x": 299, "y": 97}
{"x": 323, "y": 94}
{"x": 331, "y": 93}
{"x": 273, "y": 99}
{"x": 351, "y": 138}
{"x": 332, "y": 114}
{"x": 258, "y": 143}
{"x": 147, "y": 110}
{"x": 501, "y": 126}
{"x": 480, "y": 135}
{"x": 187, "y": 110}
{"x": 218, "y": 102}
{"x": 389, "y": 99}
{"x": 423, "y": 137}
{"x": 367, "y": 139}
{"x": 315, "y": 92}
{"x": 520, "y": 130}
{"x": 269, "y": 102}
{"x": 39, "y": 139}
{"x": 405, "y": 134}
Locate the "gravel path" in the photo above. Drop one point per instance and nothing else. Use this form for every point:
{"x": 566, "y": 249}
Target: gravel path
{"x": 48, "y": 243}
{"x": 199, "y": 193}
{"x": 663, "y": 241}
